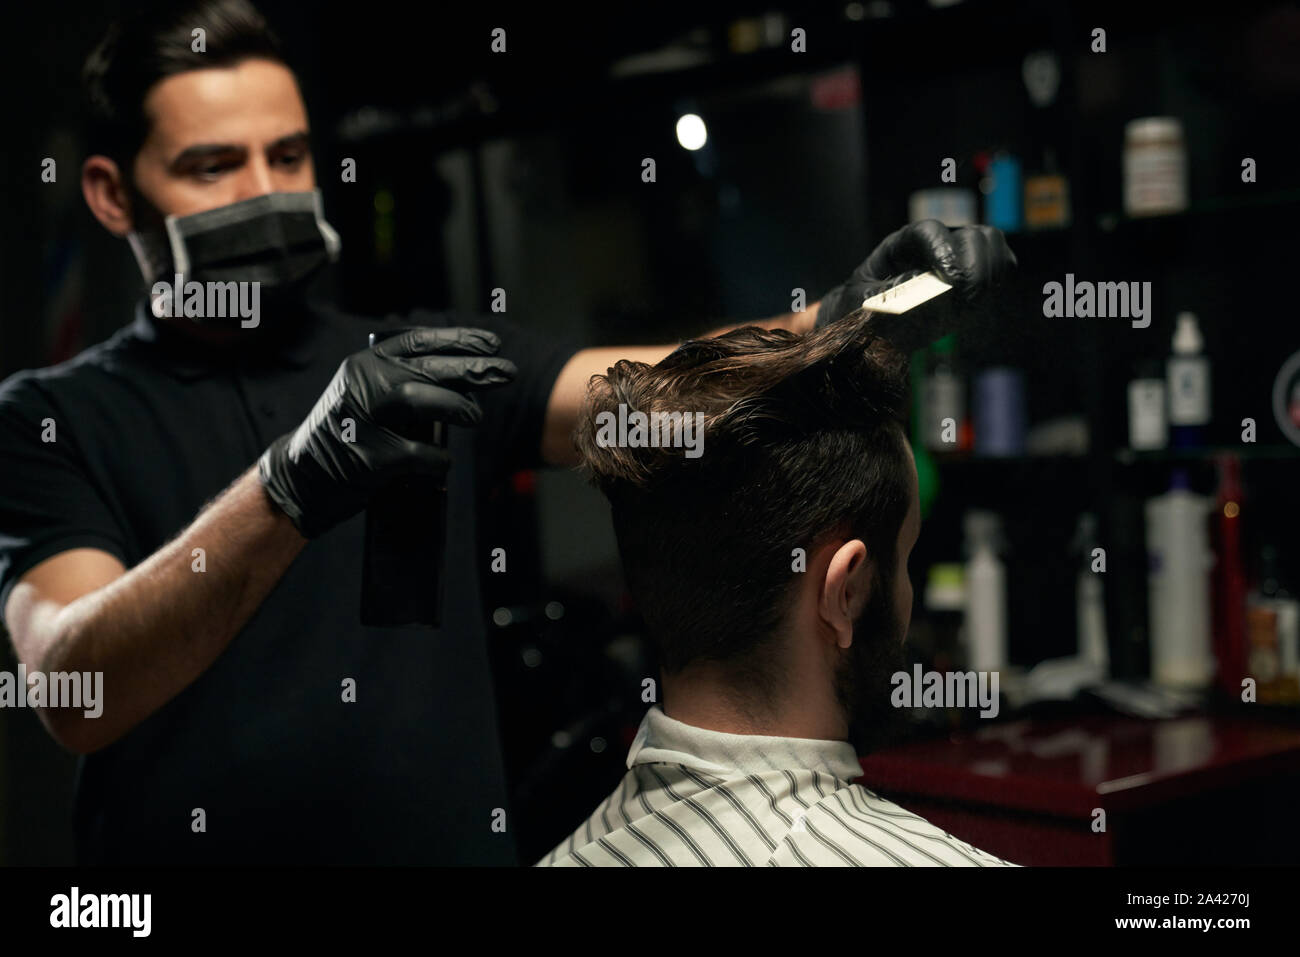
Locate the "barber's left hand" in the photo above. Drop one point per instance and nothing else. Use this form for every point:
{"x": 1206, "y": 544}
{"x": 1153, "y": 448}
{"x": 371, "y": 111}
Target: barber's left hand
{"x": 974, "y": 260}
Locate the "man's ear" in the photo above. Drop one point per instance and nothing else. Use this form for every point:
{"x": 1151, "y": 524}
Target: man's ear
{"x": 105, "y": 192}
{"x": 845, "y": 589}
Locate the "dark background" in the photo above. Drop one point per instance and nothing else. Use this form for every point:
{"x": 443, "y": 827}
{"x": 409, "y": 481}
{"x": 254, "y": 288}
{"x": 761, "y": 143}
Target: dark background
{"x": 522, "y": 171}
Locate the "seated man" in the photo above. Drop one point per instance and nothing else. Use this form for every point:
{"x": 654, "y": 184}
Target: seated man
{"x": 769, "y": 562}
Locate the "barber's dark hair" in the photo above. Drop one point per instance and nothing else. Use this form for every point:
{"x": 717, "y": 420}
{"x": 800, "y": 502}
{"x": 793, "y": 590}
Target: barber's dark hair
{"x": 156, "y": 42}
{"x": 803, "y": 439}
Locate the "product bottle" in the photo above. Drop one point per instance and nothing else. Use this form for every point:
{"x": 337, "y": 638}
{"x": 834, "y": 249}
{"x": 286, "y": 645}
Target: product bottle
{"x": 1127, "y": 619}
{"x": 1155, "y": 166}
{"x": 1178, "y": 574}
{"x": 986, "y": 594}
{"x": 1090, "y": 599}
{"x": 1148, "y": 427}
{"x": 1047, "y": 197}
{"x": 945, "y": 606}
{"x": 1189, "y": 385}
{"x": 946, "y": 429}
{"x": 1002, "y": 202}
{"x": 927, "y": 474}
{"x": 1273, "y": 631}
{"x": 406, "y": 535}
{"x": 1000, "y": 412}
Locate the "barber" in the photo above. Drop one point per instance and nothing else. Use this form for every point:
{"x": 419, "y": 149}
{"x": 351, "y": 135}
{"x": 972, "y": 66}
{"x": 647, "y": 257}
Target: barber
{"x": 191, "y": 526}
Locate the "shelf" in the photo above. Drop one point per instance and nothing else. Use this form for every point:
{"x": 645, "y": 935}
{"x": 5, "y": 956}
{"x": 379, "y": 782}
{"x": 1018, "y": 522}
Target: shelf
{"x": 1245, "y": 451}
{"x": 1272, "y": 201}
{"x": 967, "y": 461}
{"x": 1046, "y": 233}
{"x": 1113, "y": 221}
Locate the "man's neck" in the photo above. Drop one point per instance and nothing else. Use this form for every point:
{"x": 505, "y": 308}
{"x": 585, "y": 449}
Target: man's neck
{"x": 700, "y": 698}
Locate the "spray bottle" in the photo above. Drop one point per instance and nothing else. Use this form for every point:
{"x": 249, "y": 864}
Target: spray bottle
{"x": 406, "y": 536}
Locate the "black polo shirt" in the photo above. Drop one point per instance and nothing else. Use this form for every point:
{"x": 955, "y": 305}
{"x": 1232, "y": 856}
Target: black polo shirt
{"x": 149, "y": 426}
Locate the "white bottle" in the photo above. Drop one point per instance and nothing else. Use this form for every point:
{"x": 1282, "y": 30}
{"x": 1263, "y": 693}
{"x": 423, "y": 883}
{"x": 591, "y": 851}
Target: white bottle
{"x": 986, "y": 595}
{"x": 1179, "y": 561}
{"x": 1090, "y": 602}
{"x": 1147, "y": 428}
{"x": 1189, "y": 376}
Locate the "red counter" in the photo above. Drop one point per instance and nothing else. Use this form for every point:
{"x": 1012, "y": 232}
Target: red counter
{"x": 1192, "y": 790}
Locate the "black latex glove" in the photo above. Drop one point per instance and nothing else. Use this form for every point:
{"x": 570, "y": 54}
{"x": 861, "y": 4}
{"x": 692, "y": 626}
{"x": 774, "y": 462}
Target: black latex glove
{"x": 394, "y": 393}
{"x": 974, "y": 260}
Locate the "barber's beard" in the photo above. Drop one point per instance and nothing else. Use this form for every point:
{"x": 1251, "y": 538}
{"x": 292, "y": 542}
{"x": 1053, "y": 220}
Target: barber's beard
{"x": 862, "y": 681}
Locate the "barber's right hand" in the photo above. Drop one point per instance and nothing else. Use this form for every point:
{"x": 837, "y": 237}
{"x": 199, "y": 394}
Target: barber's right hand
{"x": 375, "y": 422}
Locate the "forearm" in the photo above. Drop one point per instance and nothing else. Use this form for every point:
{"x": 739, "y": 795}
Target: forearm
{"x": 155, "y": 629}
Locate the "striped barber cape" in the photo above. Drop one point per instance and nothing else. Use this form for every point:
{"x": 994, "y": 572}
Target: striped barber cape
{"x": 695, "y": 797}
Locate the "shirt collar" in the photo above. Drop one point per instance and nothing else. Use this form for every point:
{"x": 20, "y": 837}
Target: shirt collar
{"x": 189, "y": 358}
{"x": 662, "y": 739}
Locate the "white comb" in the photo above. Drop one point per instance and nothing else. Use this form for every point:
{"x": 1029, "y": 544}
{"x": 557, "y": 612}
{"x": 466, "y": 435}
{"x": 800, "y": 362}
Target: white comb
{"x": 907, "y": 295}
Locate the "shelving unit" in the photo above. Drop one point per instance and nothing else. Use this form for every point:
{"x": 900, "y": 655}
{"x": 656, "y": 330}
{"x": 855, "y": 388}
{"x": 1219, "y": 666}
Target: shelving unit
{"x": 1224, "y": 258}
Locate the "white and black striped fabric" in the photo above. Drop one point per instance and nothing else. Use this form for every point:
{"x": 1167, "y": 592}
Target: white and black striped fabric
{"x": 699, "y": 798}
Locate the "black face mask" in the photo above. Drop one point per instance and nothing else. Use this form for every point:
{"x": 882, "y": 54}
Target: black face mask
{"x": 279, "y": 240}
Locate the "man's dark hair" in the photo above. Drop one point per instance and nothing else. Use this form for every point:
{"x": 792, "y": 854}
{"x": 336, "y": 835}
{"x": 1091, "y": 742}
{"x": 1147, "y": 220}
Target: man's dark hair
{"x": 152, "y": 44}
{"x": 802, "y": 441}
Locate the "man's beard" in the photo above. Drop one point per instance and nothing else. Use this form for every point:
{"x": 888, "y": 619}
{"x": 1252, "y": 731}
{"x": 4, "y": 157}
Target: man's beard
{"x": 862, "y": 680}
